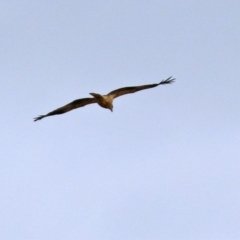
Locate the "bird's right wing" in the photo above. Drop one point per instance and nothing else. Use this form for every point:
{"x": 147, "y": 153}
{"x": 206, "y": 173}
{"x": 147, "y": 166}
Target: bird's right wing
{"x": 126, "y": 90}
{"x": 75, "y": 104}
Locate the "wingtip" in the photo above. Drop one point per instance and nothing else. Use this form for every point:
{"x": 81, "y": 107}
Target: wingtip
{"x": 38, "y": 118}
{"x": 168, "y": 80}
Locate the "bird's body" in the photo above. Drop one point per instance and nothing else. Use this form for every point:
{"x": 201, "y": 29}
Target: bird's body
{"x": 105, "y": 101}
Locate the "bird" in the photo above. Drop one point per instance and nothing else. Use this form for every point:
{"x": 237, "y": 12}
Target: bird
{"x": 105, "y": 101}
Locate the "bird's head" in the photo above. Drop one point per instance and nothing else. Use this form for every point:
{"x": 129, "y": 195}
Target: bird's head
{"x": 110, "y": 107}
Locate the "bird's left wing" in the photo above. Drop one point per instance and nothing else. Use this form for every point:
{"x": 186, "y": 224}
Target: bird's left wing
{"x": 75, "y": 104}
{"x": 126, "y": 90}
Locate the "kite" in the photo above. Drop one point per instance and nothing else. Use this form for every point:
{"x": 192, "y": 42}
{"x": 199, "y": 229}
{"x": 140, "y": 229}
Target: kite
{"x": 105, "y": 101}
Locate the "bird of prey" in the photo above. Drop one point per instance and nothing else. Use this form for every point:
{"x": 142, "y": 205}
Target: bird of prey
{"x": 105, "y": 101}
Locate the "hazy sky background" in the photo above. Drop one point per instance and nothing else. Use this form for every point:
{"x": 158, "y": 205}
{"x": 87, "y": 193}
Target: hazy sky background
{"x": 164, "y": 165}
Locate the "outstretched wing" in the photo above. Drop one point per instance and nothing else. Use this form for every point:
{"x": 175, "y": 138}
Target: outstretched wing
{"x": 121, "y": 91}
{"x": 75, "y": 104}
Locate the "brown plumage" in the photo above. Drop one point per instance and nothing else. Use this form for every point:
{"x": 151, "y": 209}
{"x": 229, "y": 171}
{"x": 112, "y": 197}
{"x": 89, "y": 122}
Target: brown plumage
{"x": 104, "y": 101}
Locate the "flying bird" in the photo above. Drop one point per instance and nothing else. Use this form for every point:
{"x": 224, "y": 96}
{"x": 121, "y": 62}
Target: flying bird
{"x": 105, "y": 101}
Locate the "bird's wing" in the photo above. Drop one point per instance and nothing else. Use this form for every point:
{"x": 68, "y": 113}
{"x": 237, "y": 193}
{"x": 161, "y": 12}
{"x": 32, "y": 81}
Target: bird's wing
{"x": 75, "y": 104}
{"x": 121, "y": 91}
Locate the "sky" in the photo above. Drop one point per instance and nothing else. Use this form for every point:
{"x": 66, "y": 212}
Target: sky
{"x": 165, "y": 164}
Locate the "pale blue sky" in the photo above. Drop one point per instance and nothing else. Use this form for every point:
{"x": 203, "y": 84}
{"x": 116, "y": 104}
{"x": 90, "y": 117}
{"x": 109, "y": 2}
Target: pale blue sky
{"x": 164, "y": 165}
